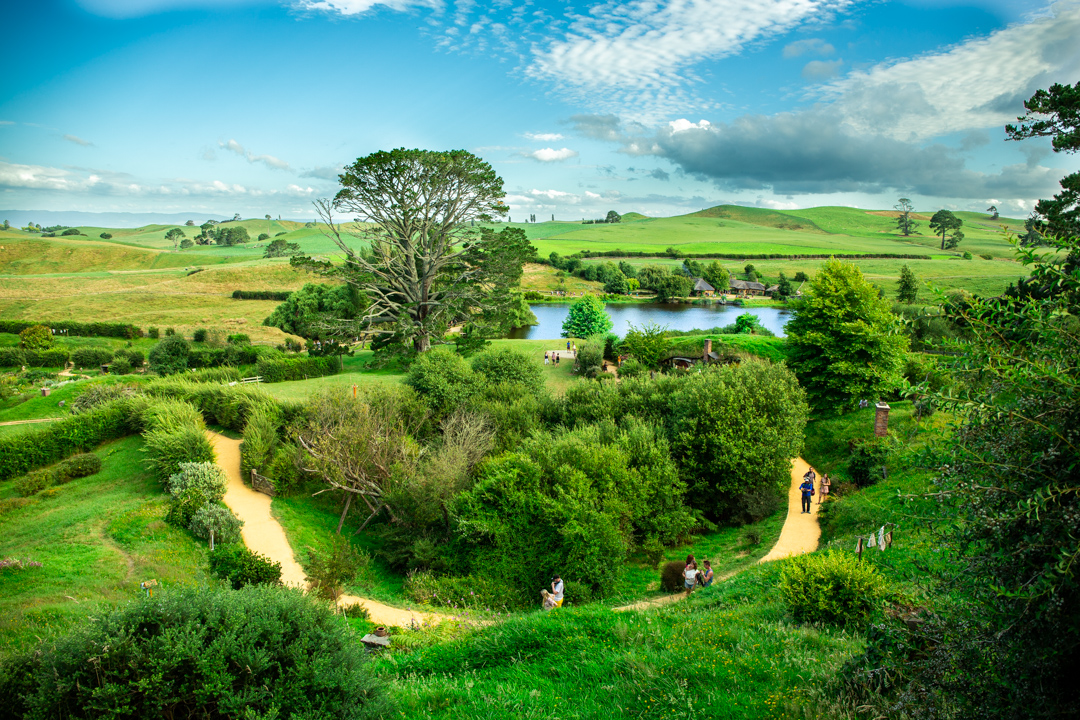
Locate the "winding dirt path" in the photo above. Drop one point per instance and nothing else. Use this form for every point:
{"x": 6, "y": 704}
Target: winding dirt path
{"x": 799, "y": 535}
{"x": 263, "y": 534}
{"x": 28, "y": 422}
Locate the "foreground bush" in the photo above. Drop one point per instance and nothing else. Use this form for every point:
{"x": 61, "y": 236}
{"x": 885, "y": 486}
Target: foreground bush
{"x": 832, "y": 587}
{"x": 241, "y": 566}
{"x": 199, "y": 653}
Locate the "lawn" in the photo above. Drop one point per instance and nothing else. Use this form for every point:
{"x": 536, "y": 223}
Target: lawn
{"x": 97, "y": 538}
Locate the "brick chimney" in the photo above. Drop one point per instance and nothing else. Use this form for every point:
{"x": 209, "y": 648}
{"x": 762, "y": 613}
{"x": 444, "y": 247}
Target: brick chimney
{"x": 708, "y": 349}
{"x": 881, "y": 419}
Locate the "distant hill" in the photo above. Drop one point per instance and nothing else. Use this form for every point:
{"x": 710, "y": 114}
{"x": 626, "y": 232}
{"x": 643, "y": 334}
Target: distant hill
{"x": 632, "y": 216}
{"x": 47, "y": 218}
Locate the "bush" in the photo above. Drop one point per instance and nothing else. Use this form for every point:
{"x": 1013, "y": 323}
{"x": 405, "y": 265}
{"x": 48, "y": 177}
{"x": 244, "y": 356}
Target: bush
{"x": 170, "y": 332}
{"x": 222, "y": 374}
{"x": 239, "y": 339}
{"x": 169, "y": 449}
{"x": 866, "y": 464}
{"x": 100, "y": 393}
{"x": 329, "y": 569}
{"x": 192, "y": 488}
{"x": 296, "y": 368}
{"x": 199, "y": 335}
{"x": 77, "y": 466}
{"x": 632, "y": 368}
{"x": 260, "y": 441}
{"x": 170, "y": 355}
{"x": 153, "y": 333}
{"x": 71, "y": 328}
{"x": 217, "y": 520}
{"x": 507, "y": 365}
{"x": 261, "y": 652}
{"x": 444, "y": 379}
{"x": 986, "y": 257}
{"x": 71, "y": 231}
{"x": 241, "y": 566}
{"x": 34, "y": 482}
{"x": 120, "y": 366}
{"x": 671, "y": 576}
{"x": 590, "y": 357}
{"x": 105, "y": 236}
{"x": 36, "y": 337}
{"x": 35, "y": 448}
{"x": 135, "y": 357}
{"x": 832, "y": 587}
{"x": 14, "y": 357}
{"x": 577, "y": 593}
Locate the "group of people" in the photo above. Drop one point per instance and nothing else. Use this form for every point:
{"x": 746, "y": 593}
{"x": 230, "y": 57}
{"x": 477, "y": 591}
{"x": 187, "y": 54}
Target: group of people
{"x": 808, "y": 490}
{"x": 692, "y": 577}
{"x": 553, "y": 598}
{"x": 551, "y": 357}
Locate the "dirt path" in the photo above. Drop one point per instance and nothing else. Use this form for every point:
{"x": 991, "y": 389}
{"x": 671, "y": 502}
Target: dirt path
{"x": 801, "y": 532}
{"x": 29, "y": 422}
{"x": 263, "y": 534}
{"x": 799, "y": 535}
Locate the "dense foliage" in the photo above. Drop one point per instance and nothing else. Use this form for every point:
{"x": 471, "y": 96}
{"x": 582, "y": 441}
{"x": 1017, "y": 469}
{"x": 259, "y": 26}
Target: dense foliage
{"x": 846, "y": 344}
{"x": 83, "y": 329}
{"x": 586, "y": 317}
{"x": 170, "y": 355}
{"x": 833, "y": 587}
{"x": 240, "y": 566}
{"x": 317, "y": 310}
{"x": 207, "y": 653}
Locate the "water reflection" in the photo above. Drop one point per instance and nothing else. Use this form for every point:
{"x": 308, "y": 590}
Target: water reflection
{"x": 675, "y": 316}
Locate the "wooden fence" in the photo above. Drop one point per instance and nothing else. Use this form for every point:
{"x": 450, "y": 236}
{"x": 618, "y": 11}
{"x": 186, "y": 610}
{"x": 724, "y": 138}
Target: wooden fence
{"x": 262, "y": 483}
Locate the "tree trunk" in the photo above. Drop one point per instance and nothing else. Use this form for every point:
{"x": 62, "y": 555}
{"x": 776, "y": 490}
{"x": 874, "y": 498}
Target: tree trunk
{"x": 421, "y": 343}
{"x": 341, "y": 520}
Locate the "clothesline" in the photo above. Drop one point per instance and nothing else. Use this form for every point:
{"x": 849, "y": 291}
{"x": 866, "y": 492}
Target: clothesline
{"x": 881, "y": 539}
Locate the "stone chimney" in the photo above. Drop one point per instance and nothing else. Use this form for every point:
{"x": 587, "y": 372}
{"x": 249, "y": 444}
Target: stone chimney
{"x": 708, "y": 349}
{"x": 881, "y": 419}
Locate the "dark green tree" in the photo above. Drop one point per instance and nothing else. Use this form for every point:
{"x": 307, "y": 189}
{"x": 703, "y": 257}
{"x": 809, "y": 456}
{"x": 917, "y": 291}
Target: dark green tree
{"x": 846, "y": 343}
{"x": 175, "y": 235}
{"x": 943, "y": 223}
{"x": 586, "y": 317}
{"x": 647, "y": 344}
{"x": 320, "y": 311}
{"x": 907, "y": 288}
{"x": 1032, "y": 234}
{"x": 186, "y": 243}
{"x": 1055, "y": 113}
{"x": 613, "y": 217}
{"x": 903, "y": 220}
{"x": 717, "y": 276}
{"x": 280, "y": 247}
{"x": 229, "y": 236}
{"x": 170, "y": 355}
{"x": 783, "y": 286}
{"x": 751, "y": 272}
{"x": 426, "y": 264}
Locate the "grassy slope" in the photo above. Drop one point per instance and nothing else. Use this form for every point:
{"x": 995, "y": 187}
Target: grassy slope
{"x": 97, "y": 538}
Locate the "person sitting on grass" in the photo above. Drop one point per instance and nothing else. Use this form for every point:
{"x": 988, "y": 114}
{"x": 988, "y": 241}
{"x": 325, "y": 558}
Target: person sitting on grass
{"x": 705, "y": 579}
{"x": 690, "y": 575}
{"x": 556, "y": 591}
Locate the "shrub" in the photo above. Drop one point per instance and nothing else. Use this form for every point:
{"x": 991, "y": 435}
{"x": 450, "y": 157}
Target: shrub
{"x": 199, "y": 335}
{"x": 135, "y": 357}
{"x": 239, "y": 339}
{"x": 632, "y": 368}
{"x": 577, "y": 593}
{"x": 216, "y": 523}
{"x": 751, "y": 537}
{"x": 170, "y": 355}
{"x": 278, "y": 295}
{"x": 967, "y": 255}
{"x": 105, "y": 236}
{"x": 444, "y": 379}
{"x": 120, "y": 366}
{"x": 260, "y": 652}
{"x": 153, "y": 333}
{"x": 34, "y": 448}
{"x": 986, "y": 257}
{"x": 77, "y": 466}
{"x": 832, "y": 587}
{"x": 169, "y": 449}
{"x": 260, "y": 441}
{"x": 100, "y": 393}
{"x": 867, "y": 461}
{"x": 12, "y": 357}
{"x": 192, "y": 488}
{"x": 296, "y": 368}
{"x": 170, "y": 332}
{"x": 241, "y": 566}
{"x": 506, "y": 365}
{"x": 33, "y": 482}
{"x": 36, "y": 337}
{"x": 590, "y": 357}
{"x": 222, "y": 374}
{"x": 71, "y": 231}
{"x": 671, "y": 576}
{"x": 329, "y": 569}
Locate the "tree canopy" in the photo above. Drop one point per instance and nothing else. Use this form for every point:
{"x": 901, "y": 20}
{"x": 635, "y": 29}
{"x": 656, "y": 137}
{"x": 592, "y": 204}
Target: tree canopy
{"x": 175, "y": 235}
{"x": 586, "y": 317}
{"x": 426, "y": 265}
{"x": 846, "y": 342}
{"x": 907, "y": 288}
{"x": 320, "y": 311}
{"x": 948, "y": 226}
{"x": 903, "y": 221}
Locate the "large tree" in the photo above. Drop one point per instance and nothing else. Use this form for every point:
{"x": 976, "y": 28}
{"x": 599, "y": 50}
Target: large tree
{"x": 175, "y": 235}
{"x": 903, "y": 220}
{"x": 846, "y": 343}
{"x": 907, "y": 288}
{"x": 948, "y": 226}
{"x": 425, "y": 265}
{"x": 1055, "y": 113}
{"x": 586, "y": 317}
{"x": 717, "y": 276}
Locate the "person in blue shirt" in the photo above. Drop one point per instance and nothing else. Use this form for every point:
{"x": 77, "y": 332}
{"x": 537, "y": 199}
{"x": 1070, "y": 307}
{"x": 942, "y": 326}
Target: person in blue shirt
{"x": 807, "y": 488}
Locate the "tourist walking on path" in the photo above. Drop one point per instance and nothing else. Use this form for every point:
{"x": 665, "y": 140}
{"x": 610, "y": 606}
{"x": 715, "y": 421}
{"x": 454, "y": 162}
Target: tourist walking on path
{"x": 807, "y": 489}
{"x": 825, "y": 483}
{"x": 567, "y": 346}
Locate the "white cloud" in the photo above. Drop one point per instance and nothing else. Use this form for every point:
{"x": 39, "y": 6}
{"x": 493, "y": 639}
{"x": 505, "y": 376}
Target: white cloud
{"x": 643, "y": 48}
{"x": 552, "y": 155}
{"x": 553, "y": 194}
{"x": 78, "y": 140}
{"x": 544, "y": 137}
{"x": 821, "y": 69}
{"x": 682, "y": 125}
{"x": 810, "y": 46}
{"x": 359, "y": 7}
{"x": 40, "y": 178}
{"x": 981, "y": 83}
{"x": 268, "y": 160}
{"x": 7, "y": 122}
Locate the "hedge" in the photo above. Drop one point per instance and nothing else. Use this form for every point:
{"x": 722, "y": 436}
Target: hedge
{"x": 297, "y": 368}
{"x": 92, "y": 329}
{"x": 34, "y": 448}
{"x": 225, "y": 405}
{"x": 91, "y": 357}
{"x": 279, "y": 295}
{"x": 738, "y": 256}
{"x": 16, "y": 357}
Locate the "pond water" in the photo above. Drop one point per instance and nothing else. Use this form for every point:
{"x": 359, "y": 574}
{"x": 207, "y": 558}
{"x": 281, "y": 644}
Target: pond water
{"x": 675, "y": 316}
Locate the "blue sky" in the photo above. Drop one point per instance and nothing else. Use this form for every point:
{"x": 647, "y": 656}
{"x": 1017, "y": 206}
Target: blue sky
{"x": 657, "y": 106}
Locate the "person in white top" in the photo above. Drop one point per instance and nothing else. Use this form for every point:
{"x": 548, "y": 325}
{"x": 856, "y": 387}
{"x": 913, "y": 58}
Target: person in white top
{"x": 557, "y": 590}
{"x": 690, "y": 576}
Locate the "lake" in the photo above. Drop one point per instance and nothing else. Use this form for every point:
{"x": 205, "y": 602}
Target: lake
{"x": 675, "y": 316}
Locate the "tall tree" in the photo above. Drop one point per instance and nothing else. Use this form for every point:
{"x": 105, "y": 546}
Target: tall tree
{"x": 175, "y": 235}
{"x": 846, "y": 342}
{"x": 944, "y": 222}
{"x": 717, "y": 276}
{"x": 994, "y": 214}
{"x": 1055, "y": 113}
{"x": 426, "y": 265}
{"x": 907, "y": 289}
{"x": 903, "y": 220}
{"x": 586, "y": 317}
{"x": 613, "y": 217}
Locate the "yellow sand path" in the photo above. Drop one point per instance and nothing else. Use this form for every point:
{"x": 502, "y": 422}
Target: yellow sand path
{"x": 799, "y": 535}
{"x": 263, "y": 534}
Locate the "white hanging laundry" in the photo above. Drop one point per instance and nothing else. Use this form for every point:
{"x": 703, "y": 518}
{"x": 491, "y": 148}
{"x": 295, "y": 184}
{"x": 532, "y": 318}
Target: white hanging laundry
{"x": 872, "y": 541}
{"x": 881, "y": 538}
